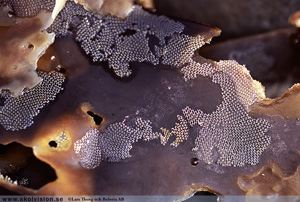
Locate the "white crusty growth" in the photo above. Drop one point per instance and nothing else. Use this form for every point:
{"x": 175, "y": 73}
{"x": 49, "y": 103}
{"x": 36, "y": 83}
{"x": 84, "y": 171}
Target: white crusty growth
{"x": 228, "y": 136}
{"x": 17, "y": 112}
{"x": 141, "y": 37}
{"x": 114, "y": 144}
{"x": 248, "y": 90}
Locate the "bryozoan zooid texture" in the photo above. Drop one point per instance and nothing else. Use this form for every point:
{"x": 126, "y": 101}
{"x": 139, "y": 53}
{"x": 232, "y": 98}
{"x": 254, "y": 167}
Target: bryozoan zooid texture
{"x": 114, "y": 144}
{"x": 227, "y": 136}
{"x": 28, "y": 8}
{"x": 247, "y": 90}
{"x": 123, "y": 41}
{"x": 17, "y": 112}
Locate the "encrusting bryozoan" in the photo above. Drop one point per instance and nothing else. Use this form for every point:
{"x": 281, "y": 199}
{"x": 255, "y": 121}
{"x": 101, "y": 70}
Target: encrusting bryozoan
{"x": 123, "y": 41}
{"x": 228, "y": 136}
{"x": 17, "y": 112}
{"x": 114, "y": 144}
{"x": 27, "y": 91}
{"x": 28, "y": 8}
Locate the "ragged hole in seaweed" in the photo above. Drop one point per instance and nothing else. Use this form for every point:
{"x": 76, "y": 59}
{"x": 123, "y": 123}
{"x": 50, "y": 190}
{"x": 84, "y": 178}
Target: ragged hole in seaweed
{"x": 97, "y": 119}
{"x": 18, "y": 165}
{"x": 53, "y": 144}
{"x": 62, "y": 70}
{"x": 194, "y": 161}
{"x": 30, "y": 46}
{"x": 203, "y": 196}
{"x": 10, "y": 14}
